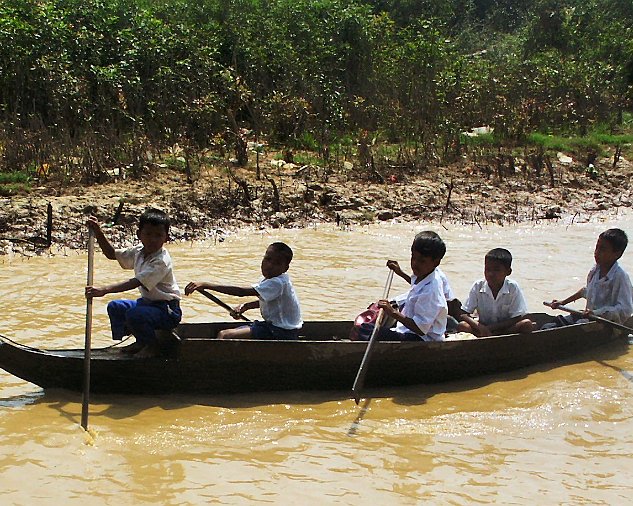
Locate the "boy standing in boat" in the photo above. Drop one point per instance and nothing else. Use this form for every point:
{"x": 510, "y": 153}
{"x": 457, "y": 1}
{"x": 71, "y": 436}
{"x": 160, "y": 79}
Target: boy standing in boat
{"x": 423, "y": 315}
{"x": 159, "y": 305}
{"x": 608, "y": 290}
{"x": 498, "y": 300}
{"x": 276, "y": 299}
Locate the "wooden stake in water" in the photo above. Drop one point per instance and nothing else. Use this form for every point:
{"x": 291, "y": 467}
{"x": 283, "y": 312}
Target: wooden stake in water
{"x": 88, "y": 334}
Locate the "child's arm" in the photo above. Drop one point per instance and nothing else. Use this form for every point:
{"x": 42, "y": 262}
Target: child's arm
{"x": 395, "y": 267}
{"x": 238, "y": 291}
{"x": 104, "y": 244}
{"x": 505, "y": 324}
{"x": 476, "y": 327}
{"x": 574, "y": 297}
{"x": 239, "y": 310}
{"x": 389, "y": 311}
{"x": 130, "y": 284}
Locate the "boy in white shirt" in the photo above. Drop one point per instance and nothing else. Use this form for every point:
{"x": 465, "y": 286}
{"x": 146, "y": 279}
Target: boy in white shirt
{"x": 159, "y": 305}
{"x": 454, "y": 305}
{"x": 608, "y": 290}
{"x": 276, "y": 299}
{"x": 423, "y": 316}
{"x": 498, "y": 300}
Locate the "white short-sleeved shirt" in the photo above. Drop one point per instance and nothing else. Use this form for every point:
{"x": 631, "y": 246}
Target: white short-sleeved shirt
{"x": 426, "y": 306}
{"x": 446, "y": 288}
{"x": 610, "y": 297}
{"x": 155, "y": 272}
{"x": 278, "y": 302}
{"x": 509, "y": 303}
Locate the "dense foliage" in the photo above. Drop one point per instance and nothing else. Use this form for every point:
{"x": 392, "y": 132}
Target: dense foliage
{"x": 91, "y": 83}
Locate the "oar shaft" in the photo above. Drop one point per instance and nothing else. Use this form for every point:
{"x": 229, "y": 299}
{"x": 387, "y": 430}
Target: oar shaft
{"x": 220, "y": 303}
{"x": 362, "y": 370}
{"x": 88, "y": 333}
{"x": 591, "y": 317}
{"x": 364, "y": 365}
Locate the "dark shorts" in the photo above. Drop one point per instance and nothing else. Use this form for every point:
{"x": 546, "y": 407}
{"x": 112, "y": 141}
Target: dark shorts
{"x": 563, "y": 321}
{"x": 265, "y": 330}
{"x": 385, "y": 334}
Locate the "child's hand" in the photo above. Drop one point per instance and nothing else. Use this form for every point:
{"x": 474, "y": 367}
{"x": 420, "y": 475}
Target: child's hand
{"x": 394, "y": 266}
{"x": 555, "y": 304}
{"x": 93, "y": 223}
{"x": 386, "y": 306}
{"x": 193, "y": 286}
{"x": 237, "y": 312}
{"x": 92, "y": 291}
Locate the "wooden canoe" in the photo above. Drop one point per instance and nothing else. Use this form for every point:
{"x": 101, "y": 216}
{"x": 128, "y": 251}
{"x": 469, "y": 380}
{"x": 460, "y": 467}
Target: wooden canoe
{"x": 321, "y": 360}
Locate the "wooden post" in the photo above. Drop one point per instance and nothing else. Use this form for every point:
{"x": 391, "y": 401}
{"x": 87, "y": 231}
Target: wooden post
{"x": 49, "y": 225}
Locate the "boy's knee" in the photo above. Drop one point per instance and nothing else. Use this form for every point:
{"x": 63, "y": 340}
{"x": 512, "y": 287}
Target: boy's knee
{"x": 464, "y": 327}
{"x": 525, "y": 326}
{"x": 135, "y": 317}
{"x": 114, "y": 307}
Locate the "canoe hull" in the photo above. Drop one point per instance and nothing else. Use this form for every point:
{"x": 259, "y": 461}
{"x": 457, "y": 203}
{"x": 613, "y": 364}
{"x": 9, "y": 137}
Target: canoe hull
{"x": 200, "y": 364}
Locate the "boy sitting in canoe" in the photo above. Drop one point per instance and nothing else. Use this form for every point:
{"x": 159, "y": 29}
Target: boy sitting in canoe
{"x": 608, "y": 290}
{"x": 454, "y": 305}
{"x": 498, "y": 300}
{"x": 276, "y": 299}
{"x": 423, "y": 315}
{"x": 159, "y": 305}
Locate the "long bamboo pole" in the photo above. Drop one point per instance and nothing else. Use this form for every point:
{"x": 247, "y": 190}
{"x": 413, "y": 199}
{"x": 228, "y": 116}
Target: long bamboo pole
{"x": 88, "y": 333}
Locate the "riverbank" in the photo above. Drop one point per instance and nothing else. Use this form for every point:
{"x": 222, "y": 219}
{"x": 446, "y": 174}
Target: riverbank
{"x": 222, "y": 199}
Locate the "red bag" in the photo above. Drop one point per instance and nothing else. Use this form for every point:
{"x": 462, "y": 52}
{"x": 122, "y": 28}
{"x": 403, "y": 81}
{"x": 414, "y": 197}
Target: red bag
{"x": 370, "y": 315}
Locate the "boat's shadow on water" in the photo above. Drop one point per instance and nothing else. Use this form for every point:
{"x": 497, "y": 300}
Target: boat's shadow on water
{"x": 120, "y": 407}
{"x": 417, "y": 395}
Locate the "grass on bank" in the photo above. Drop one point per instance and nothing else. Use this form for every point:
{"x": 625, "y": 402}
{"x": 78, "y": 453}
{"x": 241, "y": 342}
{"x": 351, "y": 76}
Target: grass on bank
{"x": 13, "y": 183}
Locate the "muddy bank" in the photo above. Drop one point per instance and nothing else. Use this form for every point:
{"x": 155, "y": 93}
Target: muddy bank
{"x": 216, "y": 204}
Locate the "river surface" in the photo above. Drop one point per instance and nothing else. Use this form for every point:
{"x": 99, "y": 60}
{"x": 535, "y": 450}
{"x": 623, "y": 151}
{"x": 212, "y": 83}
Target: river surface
{"x": 546, "y": 435}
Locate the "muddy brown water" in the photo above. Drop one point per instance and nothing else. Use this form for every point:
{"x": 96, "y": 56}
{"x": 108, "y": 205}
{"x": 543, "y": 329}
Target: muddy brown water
{"x": 550, "y": 435}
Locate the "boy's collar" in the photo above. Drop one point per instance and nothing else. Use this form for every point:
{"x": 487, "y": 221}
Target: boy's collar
{"x": 420, "y": 279}
{"x": 503, "y": 289}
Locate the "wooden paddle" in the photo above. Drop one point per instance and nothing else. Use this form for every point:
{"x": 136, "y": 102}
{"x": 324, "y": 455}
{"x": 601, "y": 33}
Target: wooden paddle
{"x": 224, "y": 305}
{"x": 88, "y": 333}
{"x": 591, "y": 317}
{"x": 362, "y": 370}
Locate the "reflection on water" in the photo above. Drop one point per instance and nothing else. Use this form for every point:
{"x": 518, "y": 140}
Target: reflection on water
{"x": 563, "y": 434}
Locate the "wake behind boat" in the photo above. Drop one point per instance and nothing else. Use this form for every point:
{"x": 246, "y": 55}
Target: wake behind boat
{"x": 322, "y": 359}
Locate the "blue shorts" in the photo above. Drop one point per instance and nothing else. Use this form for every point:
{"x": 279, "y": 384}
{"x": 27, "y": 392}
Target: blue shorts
{"x": 142, "y": 317}
{"x": 266, "y": 330}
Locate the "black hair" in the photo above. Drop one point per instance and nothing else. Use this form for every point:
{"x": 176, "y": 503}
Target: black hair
{"x": 283, "y": 250}
{"x": 429, "y": 244}
{"x": 501, "y": 255}
{"x": 152, "y": 216}
{"x": 617, "y": 238}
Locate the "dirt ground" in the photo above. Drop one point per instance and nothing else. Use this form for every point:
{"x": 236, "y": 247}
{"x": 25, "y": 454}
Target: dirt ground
{"x": 223, "y": 199}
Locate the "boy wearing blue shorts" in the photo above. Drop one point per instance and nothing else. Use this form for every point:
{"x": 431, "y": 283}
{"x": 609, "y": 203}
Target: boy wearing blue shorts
{"x": 159, "y": 305}
{"x": 276, "y": 299}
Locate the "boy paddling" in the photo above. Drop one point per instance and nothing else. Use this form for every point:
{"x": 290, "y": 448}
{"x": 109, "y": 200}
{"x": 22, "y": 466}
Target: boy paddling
{"x": 608, "y": 290}
{"x": 423, "y": 315}
{"x": 276, "y": 299}
{"x": 159, "y": 305}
